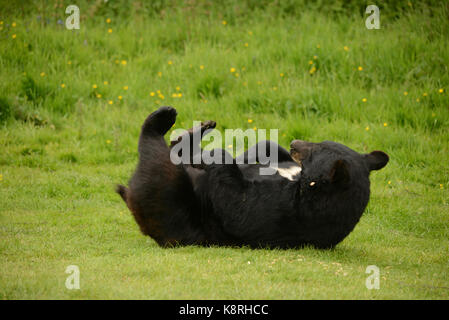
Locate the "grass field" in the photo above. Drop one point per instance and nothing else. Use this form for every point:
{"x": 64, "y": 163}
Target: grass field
{"x": 72, "y": 103}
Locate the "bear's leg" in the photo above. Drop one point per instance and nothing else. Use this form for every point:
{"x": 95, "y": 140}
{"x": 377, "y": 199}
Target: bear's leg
{"x": 160, "y": 194}
{"x": 201, "y": 130}
{"x": 266, "y": 147}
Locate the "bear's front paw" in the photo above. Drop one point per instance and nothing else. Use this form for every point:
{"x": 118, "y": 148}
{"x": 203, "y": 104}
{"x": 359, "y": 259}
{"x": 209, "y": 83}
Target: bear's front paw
{"x": 160, "y": 121}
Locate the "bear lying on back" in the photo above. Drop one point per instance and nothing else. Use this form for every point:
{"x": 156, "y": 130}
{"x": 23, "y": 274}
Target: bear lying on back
{"x": 316, "y": 197}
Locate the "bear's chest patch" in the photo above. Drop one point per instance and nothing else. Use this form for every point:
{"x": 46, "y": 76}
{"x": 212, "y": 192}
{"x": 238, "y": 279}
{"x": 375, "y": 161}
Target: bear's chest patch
{"x": 291, "y": 173}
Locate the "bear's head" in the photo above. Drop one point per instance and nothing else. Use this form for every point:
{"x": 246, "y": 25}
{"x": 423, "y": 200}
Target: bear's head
{"x": 333, "y": 163}
{"x": 334, "y": 187}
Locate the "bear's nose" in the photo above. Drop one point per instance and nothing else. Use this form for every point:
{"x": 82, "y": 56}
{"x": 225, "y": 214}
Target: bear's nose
{"x": 297, "y": 143}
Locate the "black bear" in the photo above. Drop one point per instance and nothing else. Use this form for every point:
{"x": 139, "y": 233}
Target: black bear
{"x": 316, "y": 197}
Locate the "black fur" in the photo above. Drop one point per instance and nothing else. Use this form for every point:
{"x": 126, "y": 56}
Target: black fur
{"x": 232, "y": 204}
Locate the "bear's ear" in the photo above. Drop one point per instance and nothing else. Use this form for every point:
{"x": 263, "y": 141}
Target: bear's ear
{"x": 339, "y": 172}
{"x": 376, "y": 160}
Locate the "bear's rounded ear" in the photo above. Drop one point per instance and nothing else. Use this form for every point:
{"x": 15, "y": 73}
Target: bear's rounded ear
{"x": 340, "y": 172}
{"x": 376, "y": 160}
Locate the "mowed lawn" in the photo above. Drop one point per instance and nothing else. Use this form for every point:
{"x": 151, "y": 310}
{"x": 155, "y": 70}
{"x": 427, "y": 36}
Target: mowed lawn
{"x": 72, "y": 103}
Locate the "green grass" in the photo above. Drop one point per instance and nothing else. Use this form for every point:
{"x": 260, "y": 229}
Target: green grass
{"x": 62, "y": 150}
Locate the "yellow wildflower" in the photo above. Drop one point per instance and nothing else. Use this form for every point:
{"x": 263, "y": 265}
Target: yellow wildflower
{"x": 125, "y": 88}
{"x": 108, "y": 20}
{"x": 232, "y": 70}
{"x": 62, "y": 85}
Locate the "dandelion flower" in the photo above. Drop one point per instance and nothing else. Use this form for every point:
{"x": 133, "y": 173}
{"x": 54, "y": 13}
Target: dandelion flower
{"x": 389, "y": 182}
{"x": 424, "y": 94}
{"x": 170, "y": 62}
{"x": 159, "y": 74}
{"x": 367, "y": 128}
{"x": 441, "y": 90}
{"x": 14, "y": 36}
{"x": 120, "y": 97}
{"x": 108, "y": 141}
{"x": 174, "y": 95}
{"x": 109, "y": 30}
{"x": 94, "y": 86}
{"x": 110, "y": 102}
{"x": 98, "y": 95}
{"x": 310, "y": 62}
{"x": 42, "y": 74}
{"x": 152, "y": 94}
{"x": 255, "y": 128}
{"x": 124, "y": 62}
{"x": 105, "y": 83}
{"x": 232, "y": 70}
{"x": 346, "y": 48}
{"x": 417, "y": 99}
{"x": 178, "y": 88}
{"x": 250, "y": 120}
{"x": 62, "y": 85}
{"x": 364, "y": 99}
{"x": 281, "y": 74}
{"x": 246, "y": 44}
{"x": 224, "y": 22}
{"x": 385, "y": 124}
{"x": 405, "y": 93}
{"x": 201, "y": 67}
{"x": 108, "y": 20}
{"x": 179, "y": 95}
{"x": 360, "y": 68}
{"x": 312, "y": 71}
{"x": 125, "y": 88}
{"x": 13, "y": 24}
{"x": 441, "y": 185}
